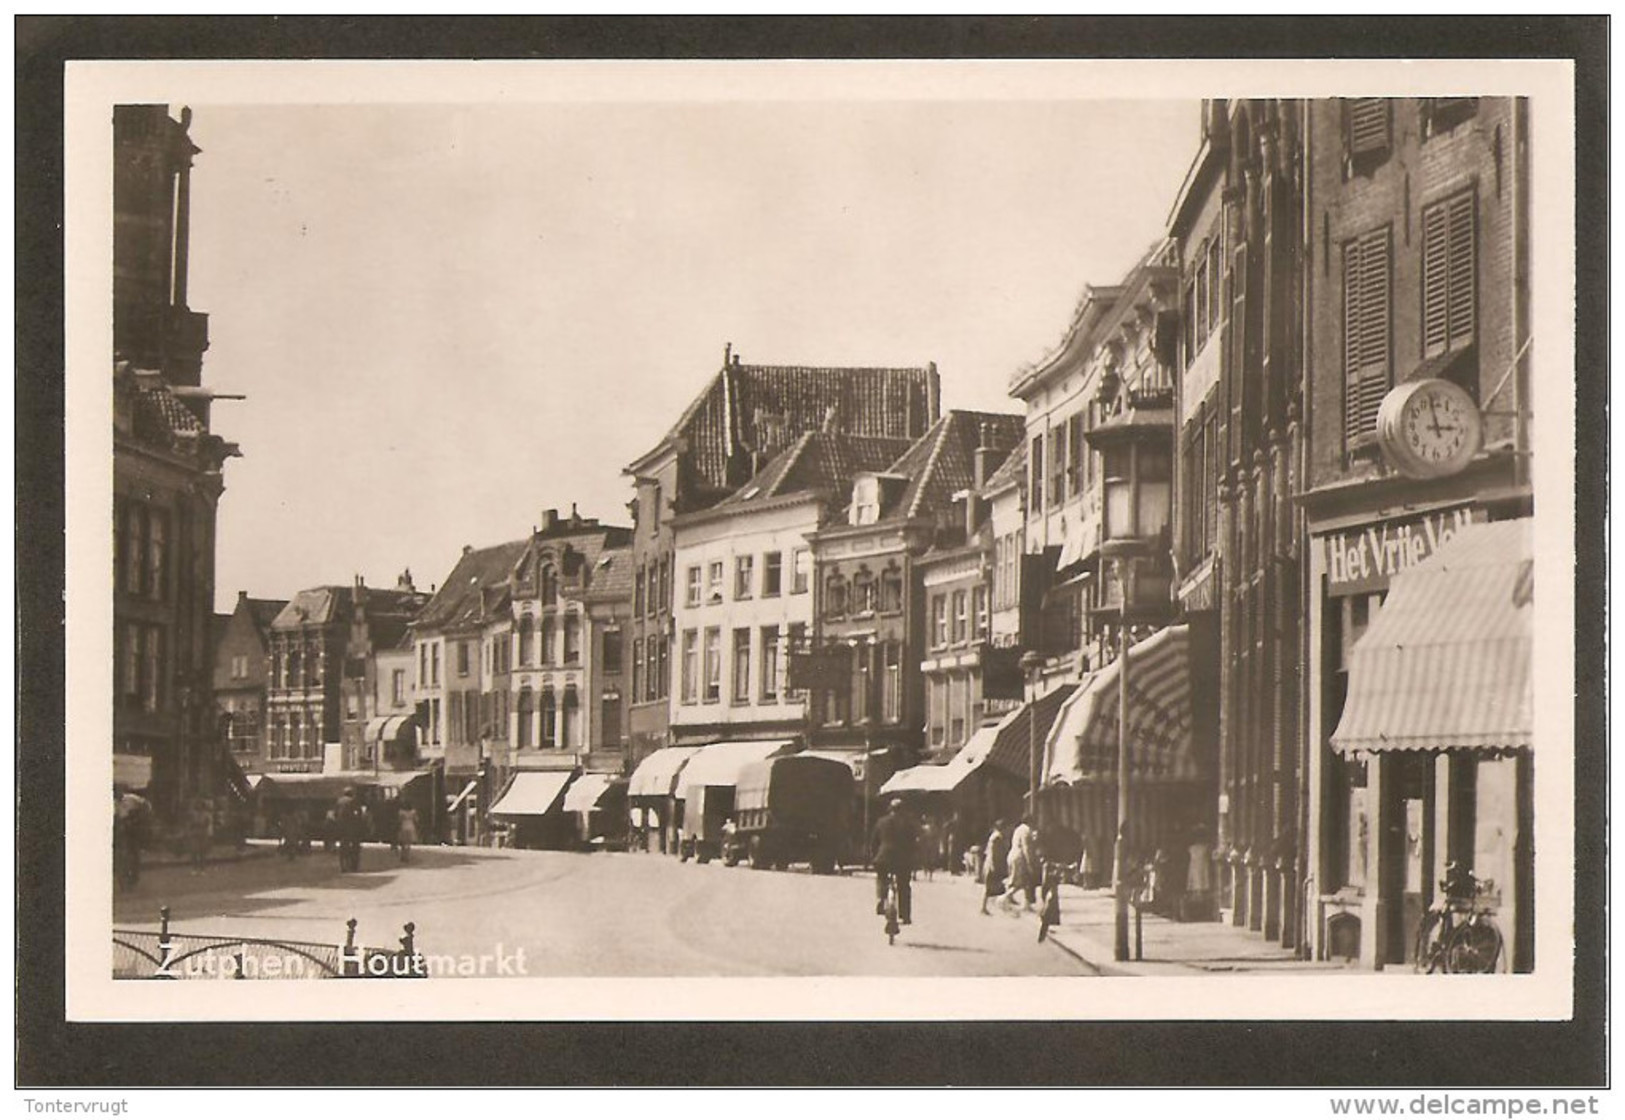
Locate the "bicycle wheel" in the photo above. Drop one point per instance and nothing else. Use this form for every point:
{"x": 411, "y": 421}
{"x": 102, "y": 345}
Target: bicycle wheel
{"x": 1430, "y": 943}
{"x": 1474, "y": 947}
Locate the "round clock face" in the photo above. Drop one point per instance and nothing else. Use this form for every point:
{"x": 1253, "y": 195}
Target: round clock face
{"x": 1436, "y": 430}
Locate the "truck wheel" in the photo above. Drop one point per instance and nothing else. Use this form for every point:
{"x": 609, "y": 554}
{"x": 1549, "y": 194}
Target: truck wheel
{"x": 758, "y": 854}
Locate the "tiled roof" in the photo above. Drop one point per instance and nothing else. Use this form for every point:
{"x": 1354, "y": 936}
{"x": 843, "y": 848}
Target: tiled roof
{"x": 1012, "y": 470}
{"x": 763, "y": 409}
{"x": 611, "y": 575}
{"x": 457, "y": 603}
{"x": 158, "y": 408}
{"x": 825, "y": 461}
{"x": 314, "y": 606}
{"x": 264, "y": 611}
{"x": 943, "y": 461}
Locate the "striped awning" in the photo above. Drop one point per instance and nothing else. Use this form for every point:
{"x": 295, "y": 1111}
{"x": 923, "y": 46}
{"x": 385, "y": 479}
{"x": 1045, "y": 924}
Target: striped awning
{"x": 1082, "y": 745}
{"x": 386, "y": 728}
{"x": 656, "y": 775}
{"x": 1446, "y": 661}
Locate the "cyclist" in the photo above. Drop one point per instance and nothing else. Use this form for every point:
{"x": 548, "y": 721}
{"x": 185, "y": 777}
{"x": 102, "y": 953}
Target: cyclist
{"x": 893, "y": 852}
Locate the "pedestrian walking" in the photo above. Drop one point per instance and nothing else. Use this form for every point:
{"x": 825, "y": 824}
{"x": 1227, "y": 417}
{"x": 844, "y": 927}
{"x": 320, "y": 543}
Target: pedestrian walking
{"x": 200, "y": 832}
{"x": 995, "y": 863}
{"x": 406, "y": 831}
{"x": 349, "y": 822}
{"x": 132, "y": 818}
{"x": 950, "y": 845}
{"x": 928, "y": 847}
{"x": 1049, "y": 911}
{"x": 1024, "y": 868}
{"x": 294, "y": 840}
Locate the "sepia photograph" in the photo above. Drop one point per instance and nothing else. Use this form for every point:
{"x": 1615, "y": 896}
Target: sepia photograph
{"x": 786, "y": 541}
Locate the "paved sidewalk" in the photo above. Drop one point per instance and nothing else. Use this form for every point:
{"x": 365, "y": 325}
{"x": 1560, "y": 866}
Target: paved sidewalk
{"x": 1169, "y": 948}
{"x": 219, "y": 853}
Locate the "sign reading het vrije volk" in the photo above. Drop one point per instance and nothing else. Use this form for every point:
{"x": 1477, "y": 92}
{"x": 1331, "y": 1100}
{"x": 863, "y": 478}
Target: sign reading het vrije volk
{"x": 1365, "y": 559}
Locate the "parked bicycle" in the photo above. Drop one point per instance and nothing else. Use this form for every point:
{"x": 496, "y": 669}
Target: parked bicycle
{"x": 1457, "y": 935}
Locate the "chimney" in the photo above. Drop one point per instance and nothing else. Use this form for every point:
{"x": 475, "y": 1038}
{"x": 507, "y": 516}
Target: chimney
{"x": 467, "y": 548}
{"x": 933, "y": 398}
{"x": 550, "y": 518}
{"x": 727, "y": 354}
{"x": 242, "y": 598}
{"x": 831, "y": 418}
{"x": 403, "y": 582}
{"x": 982, "y": 458}
{"x": 575, "y": 516}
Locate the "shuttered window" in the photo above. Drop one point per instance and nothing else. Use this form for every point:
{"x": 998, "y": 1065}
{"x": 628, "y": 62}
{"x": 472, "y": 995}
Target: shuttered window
{"x": 1449, "y": 272}
{"x": 1367, "y": 122}
{"x": 1367, "y": 282}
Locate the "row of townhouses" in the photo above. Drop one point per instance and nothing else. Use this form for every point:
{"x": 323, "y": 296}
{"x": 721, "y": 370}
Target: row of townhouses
{"x": 1260, "y": 523}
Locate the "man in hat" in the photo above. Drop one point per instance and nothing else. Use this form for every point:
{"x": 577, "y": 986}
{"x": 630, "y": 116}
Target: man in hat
{"x": 347, "y": 816}
{"x": 893, "y": 849}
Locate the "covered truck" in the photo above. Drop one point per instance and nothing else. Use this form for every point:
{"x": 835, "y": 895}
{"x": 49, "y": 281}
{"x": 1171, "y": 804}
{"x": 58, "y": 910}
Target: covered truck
{"x": 791, "y": 809}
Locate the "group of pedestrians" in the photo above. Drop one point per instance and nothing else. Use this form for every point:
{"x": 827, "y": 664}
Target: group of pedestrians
{"x": 1015, "y": 873}
{"x": 347, "y": 824}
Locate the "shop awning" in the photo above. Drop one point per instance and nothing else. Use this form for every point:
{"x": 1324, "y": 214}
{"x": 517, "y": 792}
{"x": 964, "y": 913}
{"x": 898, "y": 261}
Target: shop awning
{"x": 656, "y": 775}
{"x": 589, "y": 791}
{"x": 719, "y": 764}
{"x": 393, "y": 779}
{"x": 1004, "y": 745}
{"x": 133, "y": 771}
{"x": 532, "y": 793}
{"x": 1082, "y": 745}
{"x": 1446, "y": 662}
{"x": 387, "y": 728}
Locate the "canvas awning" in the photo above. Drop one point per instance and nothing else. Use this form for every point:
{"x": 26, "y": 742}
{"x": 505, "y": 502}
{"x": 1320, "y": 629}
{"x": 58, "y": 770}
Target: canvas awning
{"x": 133, "y": 771}
{"x": 853, "y": 760}
{"x": 588, "y": 791}
{"x": 656, "y": 775}
{"x": 532, "y": 793}
{"x": 945, "y": 777}
{"x": 719, "y": 764}
{"x": 1446, "y": 662}
{"x": 386, "y": 728}
{"x": 1082, "y": 746}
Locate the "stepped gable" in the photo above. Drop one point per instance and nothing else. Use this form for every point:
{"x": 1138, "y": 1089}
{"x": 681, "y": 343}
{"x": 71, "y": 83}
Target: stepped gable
{"x": 942, "y": 462}
{"x": 759, "y": 409}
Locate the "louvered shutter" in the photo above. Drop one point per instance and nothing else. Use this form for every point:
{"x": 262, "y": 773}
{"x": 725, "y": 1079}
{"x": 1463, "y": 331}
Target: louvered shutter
{"x": 1462, "y": 268}
{"x": 1449, "y": 266}
{"x": 1366, "y": 331}
{"x": 1368, "y": 119}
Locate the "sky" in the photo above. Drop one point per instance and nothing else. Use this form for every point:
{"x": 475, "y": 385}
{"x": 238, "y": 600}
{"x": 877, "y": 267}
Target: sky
{"x": 447, "y": 318}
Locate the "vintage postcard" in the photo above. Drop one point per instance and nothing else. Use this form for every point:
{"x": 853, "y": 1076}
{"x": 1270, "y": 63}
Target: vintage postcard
{"x": 821, "y": 540}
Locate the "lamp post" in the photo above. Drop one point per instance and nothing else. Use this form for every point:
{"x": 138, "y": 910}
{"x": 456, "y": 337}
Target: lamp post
{"x": 1124, "y": 555}
{"x": 1031, "y": 663}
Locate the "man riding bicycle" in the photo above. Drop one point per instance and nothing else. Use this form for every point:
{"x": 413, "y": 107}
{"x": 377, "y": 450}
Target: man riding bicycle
{"x": 893, "y": 853}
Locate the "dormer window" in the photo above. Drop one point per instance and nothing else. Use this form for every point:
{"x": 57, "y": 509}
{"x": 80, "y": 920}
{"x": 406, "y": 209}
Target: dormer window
{"x": 866, "y": 501}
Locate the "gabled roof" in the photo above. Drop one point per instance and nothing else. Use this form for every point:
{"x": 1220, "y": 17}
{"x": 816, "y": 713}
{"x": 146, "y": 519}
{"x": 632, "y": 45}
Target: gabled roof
{"x": 264, "y": 611}
{"x": 458, "y": 602}
{"x": 943, "y": 461}
{"x": 314, "y": 606}
{"x": 611, "y": 577}
{"x": 760, "y": 409}
{"x": 818, "y": 462}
